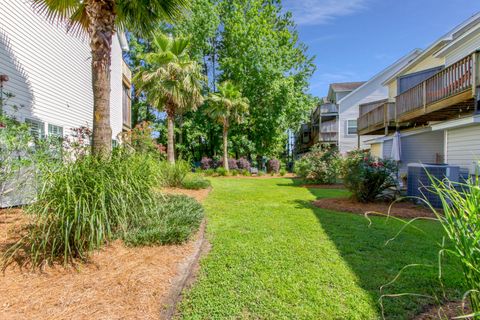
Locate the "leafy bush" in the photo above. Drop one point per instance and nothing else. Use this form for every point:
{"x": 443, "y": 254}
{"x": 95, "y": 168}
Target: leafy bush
{"x": 206, "y": 163}
{"x": 221, "y": 171}
{"x": 243, "y": 164}
{"x": 173, "y": 175}
{"x": 195, "y": 182}
{"x": 273, "y": 166}
{"x": 283, "y": 172}
{"x": 172, "y": 222}
{"x": 367, "y": 177}
{"x": 321, "y": 165}
{"x": 245, "y": 172}
{"x": 234, "y": 172}
{"x": 209, "y": 172}
{"x": 140, "y": 139}
{"x": 232, "y": 164}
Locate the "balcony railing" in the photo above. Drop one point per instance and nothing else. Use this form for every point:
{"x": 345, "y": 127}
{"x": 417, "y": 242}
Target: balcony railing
{"x": 375, "y": 116}
{"x": 435, "y": 92}
{"x": 328, "y": 137}
{"x": 329, "y": 108}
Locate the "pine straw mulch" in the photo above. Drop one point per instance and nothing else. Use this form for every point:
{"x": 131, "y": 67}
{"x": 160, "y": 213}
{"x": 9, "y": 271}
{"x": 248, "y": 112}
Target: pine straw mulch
{"x": 118, "y": 283}
{"x": 400, "y": 209}
{"x": 449, "y": 310}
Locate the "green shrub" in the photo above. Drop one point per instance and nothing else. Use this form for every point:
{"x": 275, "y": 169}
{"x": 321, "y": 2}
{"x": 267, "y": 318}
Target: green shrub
{"x": 321, "y": 165}
{"x": 221, "y": 172}
{"x": 245, "y": 172}
{"x": 173, "y": 221}
{"x": 234, "y": 172}
{"x": 195, "y": 182}
{"x": 260, "y": 173}
{"x": 209, "y": 172}
{"x": 367, "y": 177}
{"x": 172, "y": 175}
{"x": 283, "y": 172}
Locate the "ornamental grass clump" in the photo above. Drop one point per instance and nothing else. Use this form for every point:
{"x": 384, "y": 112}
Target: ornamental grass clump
{"x": 460, "y": 219}
{"x": 85, "y": 203}
{"x": 172, "y": 175}
{"x": 367, "y": 177}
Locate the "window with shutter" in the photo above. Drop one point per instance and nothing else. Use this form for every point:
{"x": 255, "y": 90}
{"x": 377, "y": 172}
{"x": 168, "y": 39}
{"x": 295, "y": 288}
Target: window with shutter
{"x": 54, "y": 130}
{"x": 37, "y": 128}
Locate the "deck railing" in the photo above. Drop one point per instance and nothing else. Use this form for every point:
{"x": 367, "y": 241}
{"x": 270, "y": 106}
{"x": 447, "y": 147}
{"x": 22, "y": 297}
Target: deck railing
{"x": 329, "y": 108}
{"x": 452, "y": 80}
{"x": 375, "y": 115}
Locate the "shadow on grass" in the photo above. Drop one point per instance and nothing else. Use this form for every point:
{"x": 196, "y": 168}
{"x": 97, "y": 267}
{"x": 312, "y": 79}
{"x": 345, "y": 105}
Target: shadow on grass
{"x": 363, "y": 247}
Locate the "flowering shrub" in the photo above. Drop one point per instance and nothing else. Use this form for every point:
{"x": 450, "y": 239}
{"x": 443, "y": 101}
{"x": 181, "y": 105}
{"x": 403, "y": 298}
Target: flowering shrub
{"x": 273, "y": 166}
{"x": 232, "y": 164}
{"x": 140, "y": 139}
{"x": 367, "y": 177}
{"x": 243, "y": 164}
{"x": 206, "y": 163}
{"x": 321, "y": 165}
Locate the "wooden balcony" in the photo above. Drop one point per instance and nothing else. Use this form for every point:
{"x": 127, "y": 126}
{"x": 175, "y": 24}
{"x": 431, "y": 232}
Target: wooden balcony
{"x": 449, "y": 93}
{"x": 376, "y": 116}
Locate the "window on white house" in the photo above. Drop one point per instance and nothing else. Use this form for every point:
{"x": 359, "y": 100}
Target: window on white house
{"x": 351, "y": 126}
{"x": 54, "y": 130}
{"x": 37, "y": 128}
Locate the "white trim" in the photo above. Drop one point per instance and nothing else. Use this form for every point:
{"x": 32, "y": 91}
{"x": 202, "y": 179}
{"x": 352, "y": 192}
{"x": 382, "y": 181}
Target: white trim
{"x": 456, "y": 123}
{"x": 442, "y": 42}
{"x": 445, "y": 146}
{"x": 408, "y": 57}
{"x": 347, "y": 134}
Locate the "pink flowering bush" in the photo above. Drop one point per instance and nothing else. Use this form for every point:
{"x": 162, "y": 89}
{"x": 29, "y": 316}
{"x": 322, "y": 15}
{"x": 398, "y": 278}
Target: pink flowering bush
{"x": 232, "y": 164}
{"x": 273, "y": 166}
{"x": 367, "y": 177}
{"x": 207, "y": 163}
{"x": 243, "y": 164}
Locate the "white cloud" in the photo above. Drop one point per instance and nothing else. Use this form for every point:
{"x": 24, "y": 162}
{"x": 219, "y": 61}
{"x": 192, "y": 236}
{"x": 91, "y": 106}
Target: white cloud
{"x": 314, "y": 12}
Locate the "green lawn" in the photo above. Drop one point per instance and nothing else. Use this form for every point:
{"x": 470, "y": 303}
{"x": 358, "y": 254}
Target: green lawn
{"x": 275, "y": 256}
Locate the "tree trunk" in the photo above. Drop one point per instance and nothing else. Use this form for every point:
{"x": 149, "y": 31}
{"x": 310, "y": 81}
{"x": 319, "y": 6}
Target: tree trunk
{"x": 180, "y": 138}
{"x": 225, "y": 146}
{"x": 101, "y": 14}
{"x": 170, "y": 141}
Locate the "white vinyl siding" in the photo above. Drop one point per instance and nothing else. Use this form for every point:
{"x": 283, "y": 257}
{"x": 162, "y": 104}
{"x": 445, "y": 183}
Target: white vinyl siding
{"x": 50, "y": 70}
{"x": 427, "y": 147}
{"x": 463, "y": 147}
{"x": 465, "y": 48}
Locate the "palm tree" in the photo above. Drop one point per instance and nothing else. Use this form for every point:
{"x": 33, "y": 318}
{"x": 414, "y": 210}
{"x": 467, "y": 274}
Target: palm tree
{"x": 100, "y": 19}
{"x": 171, "y": 80}
{"x": 227, "y": 106}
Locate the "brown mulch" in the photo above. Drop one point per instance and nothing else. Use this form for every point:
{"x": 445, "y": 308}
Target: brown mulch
{"x": 399, "y": 209}
{"x": 323, "y": 186}
{"x": 449, "y": 310}
{"x": 118, "y": 282}
{"x": 199, "y": 195}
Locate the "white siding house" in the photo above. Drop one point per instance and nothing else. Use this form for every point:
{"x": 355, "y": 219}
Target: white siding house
{"x": 372, "y": 90}
{"x": 49, "y": 71}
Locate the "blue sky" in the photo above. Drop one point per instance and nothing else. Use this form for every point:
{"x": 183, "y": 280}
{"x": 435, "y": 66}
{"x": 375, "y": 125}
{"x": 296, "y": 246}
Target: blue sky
{"x": 355, "y": 39}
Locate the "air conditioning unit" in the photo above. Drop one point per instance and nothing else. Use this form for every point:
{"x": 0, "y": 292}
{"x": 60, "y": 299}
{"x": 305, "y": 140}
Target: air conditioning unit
{"x": 419, "y": 183}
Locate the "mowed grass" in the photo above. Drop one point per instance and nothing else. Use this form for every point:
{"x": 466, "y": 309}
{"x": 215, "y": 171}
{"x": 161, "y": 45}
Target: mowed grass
{"x": 275, "y": 256}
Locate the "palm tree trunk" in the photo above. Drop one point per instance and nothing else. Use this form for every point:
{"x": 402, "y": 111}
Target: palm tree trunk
{"x": 102, "y": 27}
{"x": 225, "y": 146}
{"x": 170, "y": 136}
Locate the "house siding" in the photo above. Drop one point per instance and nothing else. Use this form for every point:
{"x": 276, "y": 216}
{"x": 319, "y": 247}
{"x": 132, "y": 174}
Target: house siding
{"x": 463, "y": 147}
{"x": 50, "y": 70}
{"x": 464, "y": 49}
{"x": 422, "y": 148}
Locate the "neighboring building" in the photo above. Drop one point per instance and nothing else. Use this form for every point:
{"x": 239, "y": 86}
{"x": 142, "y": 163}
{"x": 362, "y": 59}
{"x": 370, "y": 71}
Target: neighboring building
{"x": 433, "y": 102}
{"x": 367, "y": 95}
{"x": 323, "y": 126}
{"x": 49, "y": 73}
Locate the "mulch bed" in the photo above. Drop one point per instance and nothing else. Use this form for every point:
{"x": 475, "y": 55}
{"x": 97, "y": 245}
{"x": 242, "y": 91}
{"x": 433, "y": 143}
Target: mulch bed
{"x": 449, "y": 310}
{"x": 118, "y": 283}
{"x": 399, "y": 209}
